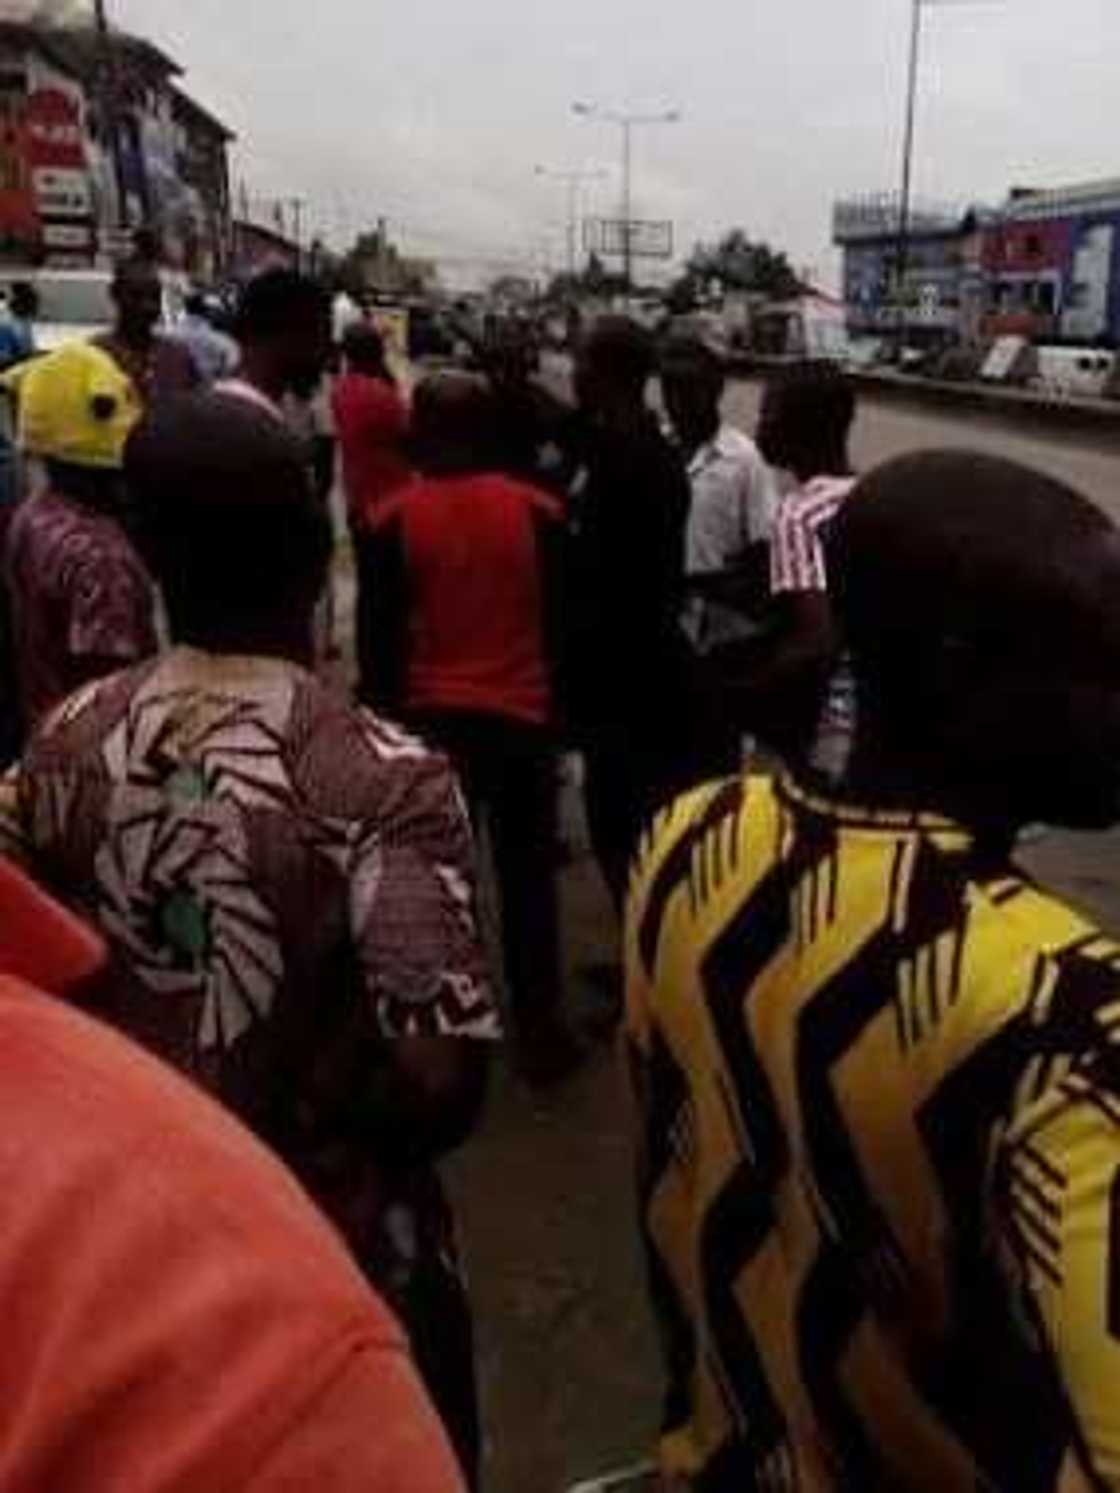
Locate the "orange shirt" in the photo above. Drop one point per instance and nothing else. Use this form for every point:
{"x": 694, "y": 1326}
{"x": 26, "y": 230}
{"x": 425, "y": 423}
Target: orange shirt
{"x": 176, "y": 1315}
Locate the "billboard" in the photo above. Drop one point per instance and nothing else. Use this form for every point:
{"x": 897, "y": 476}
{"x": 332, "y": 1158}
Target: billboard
{"x": 649, "y": 239}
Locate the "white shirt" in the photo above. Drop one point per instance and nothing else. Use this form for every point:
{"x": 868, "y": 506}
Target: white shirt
{"x": 734, "y": 503}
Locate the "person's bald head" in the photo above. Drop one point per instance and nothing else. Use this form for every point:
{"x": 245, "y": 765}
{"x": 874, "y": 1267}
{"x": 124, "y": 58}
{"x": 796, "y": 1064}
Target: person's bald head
{"x": 981, "y": 604}
{"x": 453, "y": 423}
{"x": 226, "y": 517}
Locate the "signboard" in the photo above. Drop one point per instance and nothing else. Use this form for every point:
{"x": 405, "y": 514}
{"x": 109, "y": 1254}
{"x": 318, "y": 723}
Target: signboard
{"x": 651, "y": 239}
{"x": 56, "y": 154}
{"x": 67, "y": 236}
{"x": 1000, "y": 363}
{"x": 19, "y": 217}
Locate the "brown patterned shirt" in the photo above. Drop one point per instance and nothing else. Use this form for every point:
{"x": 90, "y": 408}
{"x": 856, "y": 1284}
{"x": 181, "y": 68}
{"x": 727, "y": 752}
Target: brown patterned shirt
{"x": 287, "y": 885}
{"x": 82, "y": 600}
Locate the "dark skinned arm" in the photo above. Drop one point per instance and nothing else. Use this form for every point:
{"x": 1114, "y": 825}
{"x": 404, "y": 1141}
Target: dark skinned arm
{"x": 429, "y": 1011}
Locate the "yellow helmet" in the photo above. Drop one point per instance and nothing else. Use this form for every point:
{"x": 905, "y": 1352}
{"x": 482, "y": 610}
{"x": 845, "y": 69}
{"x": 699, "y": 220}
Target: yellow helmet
{"x": 75, "y": 405}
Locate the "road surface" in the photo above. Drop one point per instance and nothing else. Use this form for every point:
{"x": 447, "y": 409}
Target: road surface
{"x": 567, "y": 1356}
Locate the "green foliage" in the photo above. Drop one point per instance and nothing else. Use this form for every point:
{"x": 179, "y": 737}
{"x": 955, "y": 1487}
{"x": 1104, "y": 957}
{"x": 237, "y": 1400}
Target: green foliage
{"x": 738, "y": 263}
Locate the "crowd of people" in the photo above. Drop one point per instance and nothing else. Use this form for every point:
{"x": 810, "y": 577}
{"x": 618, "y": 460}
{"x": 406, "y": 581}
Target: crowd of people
{"x": 874, "y": 1071}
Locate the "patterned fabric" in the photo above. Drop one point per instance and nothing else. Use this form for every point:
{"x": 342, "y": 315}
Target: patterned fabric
{"x": 81, "y": 598}
{"x": 879, "y": 1083}
{"x": 797, "y": 557}
{"x": 287, "y": 885}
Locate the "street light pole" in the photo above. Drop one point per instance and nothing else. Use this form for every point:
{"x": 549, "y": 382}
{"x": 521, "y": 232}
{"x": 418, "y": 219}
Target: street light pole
{"x": 573, "y": 180}
{"x": 627, "y": 122}
{"x": 902, "y": 254}
{"x": 628, "y": 203}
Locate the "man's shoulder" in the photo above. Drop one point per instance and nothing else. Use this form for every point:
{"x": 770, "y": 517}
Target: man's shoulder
{"x": 735, "y": 445}
{"x": 501, "y": 487}
{"x": 694, "y": 851}
{"x": 50, "y": 522}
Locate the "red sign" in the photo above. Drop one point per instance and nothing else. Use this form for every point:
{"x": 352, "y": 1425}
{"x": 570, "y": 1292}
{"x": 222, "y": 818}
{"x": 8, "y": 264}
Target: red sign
{"x": 56, "y": 139}
{"x": 19, "y": 218}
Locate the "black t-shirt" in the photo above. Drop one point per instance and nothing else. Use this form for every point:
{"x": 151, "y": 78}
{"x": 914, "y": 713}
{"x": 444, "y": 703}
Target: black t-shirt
{"x": 628, "y": 509}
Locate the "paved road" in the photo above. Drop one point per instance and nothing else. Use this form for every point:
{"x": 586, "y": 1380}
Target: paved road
{"x": 884, "y": 430}
{"x": 567, "y": 1355}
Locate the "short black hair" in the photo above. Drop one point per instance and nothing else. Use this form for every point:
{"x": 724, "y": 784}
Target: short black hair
{"x": 275, "y": 299}
{"x": 134, "y": 267}
{"x": 223, "y": 511}
{"x": 363, "y": 345}
{"x": 814, "y": 393}
{"x": 685, "y": 349}
{"x": 454, "y": 423}
{"x": 621, "y": 351}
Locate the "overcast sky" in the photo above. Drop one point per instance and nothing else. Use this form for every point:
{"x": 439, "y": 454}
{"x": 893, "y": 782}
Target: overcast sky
{"x": 435, "y": 112}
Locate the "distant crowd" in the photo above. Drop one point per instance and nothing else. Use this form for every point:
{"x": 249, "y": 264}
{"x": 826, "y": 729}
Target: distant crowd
{"x": 875, "y": 1080}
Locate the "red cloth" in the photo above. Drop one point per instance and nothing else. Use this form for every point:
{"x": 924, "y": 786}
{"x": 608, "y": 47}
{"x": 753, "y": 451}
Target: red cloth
{"x": 176, "y": 1315}
{"x": 475, "y": 579}
{"x": 371, "y": 419}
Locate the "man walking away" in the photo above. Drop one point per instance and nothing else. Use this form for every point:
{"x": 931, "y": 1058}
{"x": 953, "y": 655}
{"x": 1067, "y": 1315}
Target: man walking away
{"x": 629, "y": 681}
{"x": 286, "y": 883}
{"x": 734, "y": 498}
{"x": 371, "y": 415}
{"x": 372, "y": 420}
{"x": 463, "y": 636}
{"x": 82, "y": 601}
{"x": 877, "y": 1065}
{"x": 160, "y": 367}
{"x": 799, "y": 694}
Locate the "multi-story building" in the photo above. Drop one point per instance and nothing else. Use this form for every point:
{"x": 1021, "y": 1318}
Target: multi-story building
{"x": 61, "y": 186}
{"x": 942, "y": 283}
{"x": 1046, "y": 264}
{"x": 1052, "y": 264}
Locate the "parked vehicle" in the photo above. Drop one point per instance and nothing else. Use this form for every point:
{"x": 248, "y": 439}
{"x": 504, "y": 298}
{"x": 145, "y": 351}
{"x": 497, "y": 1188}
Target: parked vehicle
{"x": 1082, "y": 372}
{"x": 75, "y": 305}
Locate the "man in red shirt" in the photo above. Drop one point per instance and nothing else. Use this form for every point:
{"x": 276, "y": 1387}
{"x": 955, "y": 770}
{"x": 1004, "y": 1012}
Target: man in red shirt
{"x": 462, "y": 645}
{"x": 371, "y": 419}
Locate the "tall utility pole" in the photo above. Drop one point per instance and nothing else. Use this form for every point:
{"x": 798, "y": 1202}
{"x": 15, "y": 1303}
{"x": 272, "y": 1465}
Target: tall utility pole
{"x": 110, "y": 104}
{"x": 627, "y": 122}
{"x": 902, "y": 253}
{"x": 572, "y": 180}
{"x": 905, "y": 214}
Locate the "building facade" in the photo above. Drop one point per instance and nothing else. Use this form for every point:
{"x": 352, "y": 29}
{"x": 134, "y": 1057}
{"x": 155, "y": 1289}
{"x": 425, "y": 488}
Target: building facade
{"x": 942, "y": 294}
{"x": 65, "y": 198}
{"x": 1045, "y": 265}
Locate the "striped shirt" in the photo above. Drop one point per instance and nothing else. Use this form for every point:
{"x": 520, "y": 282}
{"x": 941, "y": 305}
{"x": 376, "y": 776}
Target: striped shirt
{"x": 797, "y": 556}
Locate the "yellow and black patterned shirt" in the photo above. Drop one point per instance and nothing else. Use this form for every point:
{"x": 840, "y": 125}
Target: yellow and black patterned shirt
{"x": 879, "y": 1088}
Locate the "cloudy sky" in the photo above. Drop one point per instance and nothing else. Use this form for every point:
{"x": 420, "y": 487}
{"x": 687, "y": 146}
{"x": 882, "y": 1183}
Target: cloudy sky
{"x": 435, "y": 112}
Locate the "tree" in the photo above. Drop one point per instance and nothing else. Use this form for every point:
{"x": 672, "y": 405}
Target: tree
{"x": 740, "y": 264}
{"x": 375, "y": 263}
